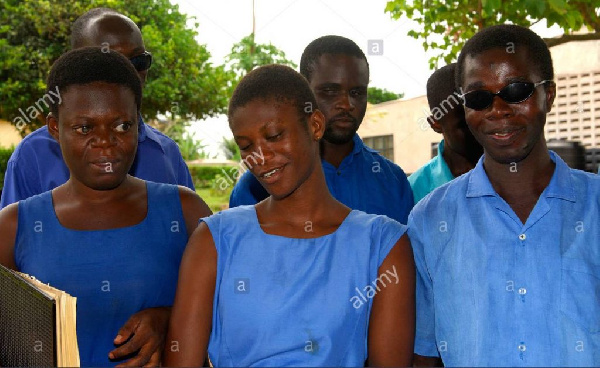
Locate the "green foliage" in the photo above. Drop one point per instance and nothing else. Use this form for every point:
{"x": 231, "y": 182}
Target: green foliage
{"x": 4, "y": 156}
{"x": 206, "y": 176}
{"x": 231, "y": 149}
{"x": 247, "y": 55}
{"x": 378, "y": 95}
{"x": 445, "y": 25}
{"x": 34, "y": 33}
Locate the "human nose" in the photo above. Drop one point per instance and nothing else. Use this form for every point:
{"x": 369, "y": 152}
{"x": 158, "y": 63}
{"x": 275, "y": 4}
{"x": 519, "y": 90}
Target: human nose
{"x": 500, "y": 108}
{"x": 104, "y": 138}
{"x": 345, "y": 102}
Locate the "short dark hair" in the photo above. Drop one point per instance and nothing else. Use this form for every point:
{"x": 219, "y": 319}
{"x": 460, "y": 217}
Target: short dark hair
{"x": 92, "y": 64}
{"x": 80, "y": 24}
{"x": 440, "y": 86}
{"x": 336, "y": 45}
{"x": 509, "y": 37}
{"x": 274, "y": 82}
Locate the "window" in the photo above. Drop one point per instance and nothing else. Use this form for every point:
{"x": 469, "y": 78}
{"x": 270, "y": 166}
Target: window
{"x": 384, "y": 144}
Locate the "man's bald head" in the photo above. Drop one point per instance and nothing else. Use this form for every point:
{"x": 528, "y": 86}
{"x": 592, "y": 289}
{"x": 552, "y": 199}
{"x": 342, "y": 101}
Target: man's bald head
{"x": 104, "y": 27}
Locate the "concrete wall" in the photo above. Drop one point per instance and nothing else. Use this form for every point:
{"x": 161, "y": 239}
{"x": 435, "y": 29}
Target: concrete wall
{"x": 8, "y": 134}
{"x": 406, "y": 121}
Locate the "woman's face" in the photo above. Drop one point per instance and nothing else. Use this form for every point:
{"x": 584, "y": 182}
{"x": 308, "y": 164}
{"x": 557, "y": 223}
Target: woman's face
{"x": 277, "y": 145}
{"x": 97, "y": 132}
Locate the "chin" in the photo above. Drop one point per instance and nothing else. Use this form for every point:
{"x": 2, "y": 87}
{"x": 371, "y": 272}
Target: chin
{"x": 338, "y": 137}
{"x": 103, "y": 185}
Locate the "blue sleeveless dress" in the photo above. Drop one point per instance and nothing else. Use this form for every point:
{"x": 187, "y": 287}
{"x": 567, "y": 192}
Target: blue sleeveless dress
{"x": 113, "y": 273}
{"x": 296, "y": 302}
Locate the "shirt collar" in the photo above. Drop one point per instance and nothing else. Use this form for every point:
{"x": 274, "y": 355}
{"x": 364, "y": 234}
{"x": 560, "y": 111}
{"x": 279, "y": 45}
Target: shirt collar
{"x": 441, "y": 164}
{"x": 358, "y": 146}
{"x": 144, "y": 132}
{"x": 560, "y": 186}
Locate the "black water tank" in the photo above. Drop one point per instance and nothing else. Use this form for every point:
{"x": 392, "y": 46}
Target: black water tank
{"x": 573, "y": 153}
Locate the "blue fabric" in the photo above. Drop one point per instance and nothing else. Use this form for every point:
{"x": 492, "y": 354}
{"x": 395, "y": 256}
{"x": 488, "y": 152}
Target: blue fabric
{"x": 296, "y": 302}
{"x": 113, "y": 273}
{"x": 37, "y": 164}
{"x": 365, "y": 181}
{"x": 432, "y": 175}
{"x": 494, "y": 292}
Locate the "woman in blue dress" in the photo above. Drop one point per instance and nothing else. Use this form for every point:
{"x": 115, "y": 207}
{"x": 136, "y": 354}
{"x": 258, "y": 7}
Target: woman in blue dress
{"x": 111, "y": 240}
{"x": 299, "y": 279}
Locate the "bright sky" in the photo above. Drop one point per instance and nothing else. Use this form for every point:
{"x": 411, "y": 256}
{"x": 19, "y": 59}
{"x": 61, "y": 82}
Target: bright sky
{"x": 290, "y": 25}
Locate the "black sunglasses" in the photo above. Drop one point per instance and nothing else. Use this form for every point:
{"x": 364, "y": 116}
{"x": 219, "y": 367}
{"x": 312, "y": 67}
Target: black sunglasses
{"x": 142, "y": 62}
{"x": 512, "y": 93}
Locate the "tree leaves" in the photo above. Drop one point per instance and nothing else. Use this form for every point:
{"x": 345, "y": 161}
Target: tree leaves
{"x": 458, "y": 20}
{"x": 35, "y": 33}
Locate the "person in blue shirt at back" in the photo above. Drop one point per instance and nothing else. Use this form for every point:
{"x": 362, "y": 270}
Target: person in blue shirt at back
{"x": 458, "y": 152}
{"x": 37, "y": 164}
{"x": 279, "y": 283}
{"x": 338, "y": 73}
{"x": 508, "y": 254}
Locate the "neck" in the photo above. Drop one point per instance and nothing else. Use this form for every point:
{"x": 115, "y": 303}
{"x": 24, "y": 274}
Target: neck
{"x": 458, "y": 163}
{"x": 527, "y": 178}
{"x": 81, "y": 193}
{"x": 335, "y": 153}
{"x": 309, "y": 201}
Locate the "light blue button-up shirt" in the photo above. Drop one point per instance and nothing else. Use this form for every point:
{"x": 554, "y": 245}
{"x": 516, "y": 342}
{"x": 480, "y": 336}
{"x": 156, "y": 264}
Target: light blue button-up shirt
{"x": 432, "y": 175}
{"x": 494, "y": 292}
{"x": 365, "y": 181}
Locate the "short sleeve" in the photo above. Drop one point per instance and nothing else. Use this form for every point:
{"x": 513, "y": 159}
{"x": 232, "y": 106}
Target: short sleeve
{"x": 21, "y": 179}
{"x": 407, "y": 201}
{"x": 425, "y": 341}
{"x": 391, "y": 231}
{"x": 247, "y": 191}
{"x": 183, "y": 174}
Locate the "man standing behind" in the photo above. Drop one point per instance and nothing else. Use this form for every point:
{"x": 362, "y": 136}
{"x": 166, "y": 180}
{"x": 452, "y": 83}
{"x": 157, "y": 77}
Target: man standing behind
{"x": 458, "y": 152}
{"x": 37, "y": 164}
{"x": 508, "y": 254}
{"x": 359, "y": 177}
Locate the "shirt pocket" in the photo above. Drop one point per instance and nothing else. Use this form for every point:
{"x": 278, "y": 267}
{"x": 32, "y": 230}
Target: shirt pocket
{"x": 580, "y": 293}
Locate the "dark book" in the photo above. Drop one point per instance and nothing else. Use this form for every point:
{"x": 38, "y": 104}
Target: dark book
{"x": 37, "y": 323}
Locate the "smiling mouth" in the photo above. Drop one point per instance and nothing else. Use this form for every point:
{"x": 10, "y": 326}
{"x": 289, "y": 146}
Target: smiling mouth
{"x": 268, "y": 174}
{"x": 505, "y": 136}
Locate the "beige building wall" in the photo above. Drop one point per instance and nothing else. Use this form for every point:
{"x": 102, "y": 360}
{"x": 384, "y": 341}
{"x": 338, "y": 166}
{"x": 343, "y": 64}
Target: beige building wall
{"x": 575, "y": 115}
{"x": 8, "y": 134}
{"x": 406, "y": 121}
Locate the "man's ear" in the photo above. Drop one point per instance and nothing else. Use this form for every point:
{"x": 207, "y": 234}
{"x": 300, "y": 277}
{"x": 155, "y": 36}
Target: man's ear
{"x": 550, "y": 95}
{"x": 316, "y": 125}
{"x": 52, "y": 123}
{"x": 434, "y": 124}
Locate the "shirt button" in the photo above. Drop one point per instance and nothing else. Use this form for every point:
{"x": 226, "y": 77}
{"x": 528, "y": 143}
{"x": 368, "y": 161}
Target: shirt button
{"x": 522, "y": 236}
{"x": 522, "y": 347}
{"x": 522, "y": 291}
{"x": 339, "y": 172}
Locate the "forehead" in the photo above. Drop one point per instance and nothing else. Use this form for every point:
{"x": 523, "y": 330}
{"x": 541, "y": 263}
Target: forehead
{"x": 339, "y": 68}
{"x": 258, "y": 112}
{"x": 499, "y": 65}
{"x": 96, "y": 96}
{"x": 118, "y": 32}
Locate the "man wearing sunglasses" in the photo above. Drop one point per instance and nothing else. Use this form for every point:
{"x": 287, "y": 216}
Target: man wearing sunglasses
{"x": 37, "y": 165}
{"x": 508, "y": 255}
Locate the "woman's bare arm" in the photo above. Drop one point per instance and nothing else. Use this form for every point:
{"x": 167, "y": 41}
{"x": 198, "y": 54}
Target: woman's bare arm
{"x": 8, "y": 234}
{"x": 191, "y": 316}
{"x": 392, "y": 323}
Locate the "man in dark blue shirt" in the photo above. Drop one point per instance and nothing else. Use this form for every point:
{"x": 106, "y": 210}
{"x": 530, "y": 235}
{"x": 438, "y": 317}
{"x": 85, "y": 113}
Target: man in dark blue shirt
{"x": 338, "y": 73}
{"x": 37, "y": 164}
